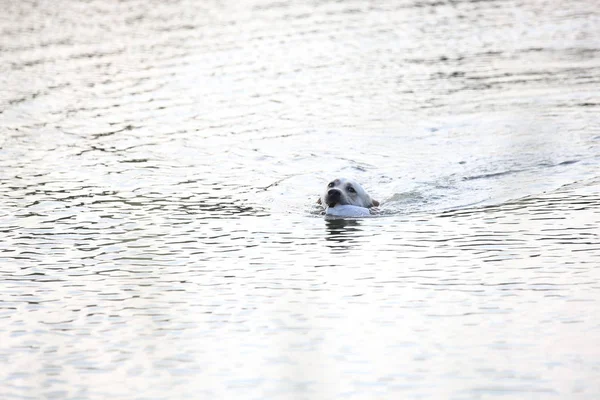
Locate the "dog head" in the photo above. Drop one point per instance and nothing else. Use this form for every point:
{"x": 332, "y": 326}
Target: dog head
{"x": 344, "y": 191}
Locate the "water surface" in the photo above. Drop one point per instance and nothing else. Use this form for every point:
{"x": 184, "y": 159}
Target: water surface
{"x": 160, "y": 163}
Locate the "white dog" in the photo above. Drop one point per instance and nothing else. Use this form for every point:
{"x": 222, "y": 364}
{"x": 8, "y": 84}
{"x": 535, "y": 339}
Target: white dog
{"x": 344, "y": 191}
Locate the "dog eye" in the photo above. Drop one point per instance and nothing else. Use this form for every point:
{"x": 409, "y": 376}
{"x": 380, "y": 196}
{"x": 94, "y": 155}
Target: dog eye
{"x": 351, "y": 189}
{"x": 330, "y": 184}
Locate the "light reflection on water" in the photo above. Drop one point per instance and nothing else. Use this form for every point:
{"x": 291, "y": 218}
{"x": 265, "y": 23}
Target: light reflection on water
{"x": 159, "y": 166}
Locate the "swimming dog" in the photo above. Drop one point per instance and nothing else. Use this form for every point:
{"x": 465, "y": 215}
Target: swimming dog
{"x": 344, "y": 191}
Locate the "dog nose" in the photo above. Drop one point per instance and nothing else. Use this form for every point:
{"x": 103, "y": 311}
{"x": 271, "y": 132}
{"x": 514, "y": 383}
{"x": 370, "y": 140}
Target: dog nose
{"x": 333, "y": 192}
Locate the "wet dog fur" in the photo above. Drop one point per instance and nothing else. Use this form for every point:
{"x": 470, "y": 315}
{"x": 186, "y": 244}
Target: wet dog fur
{"x": 345, "y": 191}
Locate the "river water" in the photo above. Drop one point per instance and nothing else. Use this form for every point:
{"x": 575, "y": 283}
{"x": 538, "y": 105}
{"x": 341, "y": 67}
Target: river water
{"x": 160, "y": 163}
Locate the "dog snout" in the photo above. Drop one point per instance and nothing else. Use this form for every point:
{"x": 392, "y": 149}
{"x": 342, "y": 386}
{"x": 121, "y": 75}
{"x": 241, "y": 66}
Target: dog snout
{"x": 333, "y": 197}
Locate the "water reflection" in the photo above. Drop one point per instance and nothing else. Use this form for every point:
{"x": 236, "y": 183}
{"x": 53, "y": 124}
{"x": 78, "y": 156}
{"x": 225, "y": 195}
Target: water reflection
{"x": 342, "y": 234}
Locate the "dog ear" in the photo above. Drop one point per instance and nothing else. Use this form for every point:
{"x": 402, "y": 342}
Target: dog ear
{"x": 375, "y": 203}
{"x": 319, "y": 201}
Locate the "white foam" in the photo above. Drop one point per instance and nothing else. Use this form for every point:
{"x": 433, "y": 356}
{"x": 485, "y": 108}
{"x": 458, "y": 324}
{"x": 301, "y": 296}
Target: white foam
{"x": 347, "y": 211}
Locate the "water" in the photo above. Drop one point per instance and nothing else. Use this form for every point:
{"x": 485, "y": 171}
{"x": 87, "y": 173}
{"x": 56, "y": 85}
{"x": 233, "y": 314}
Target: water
{"x": 160, "y": 163}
